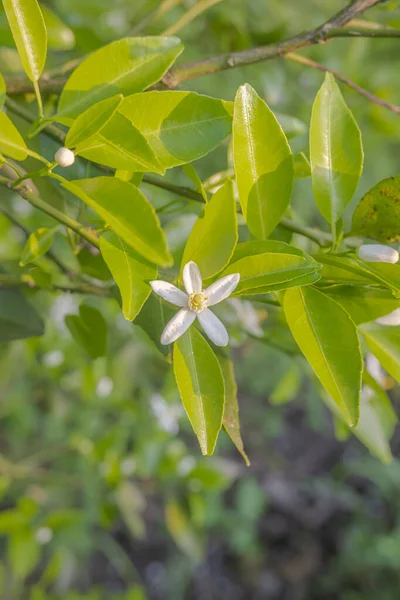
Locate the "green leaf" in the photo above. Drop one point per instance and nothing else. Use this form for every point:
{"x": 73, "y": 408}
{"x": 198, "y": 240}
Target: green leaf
{"x": 201, "y": 386}
{"x": 230, "y": 419}
{"x": 377, "y": 216}
{"x": 23, "y": 552}
{"x": 328, "y": 339}
{"x": 292, "y": 126}
{"x": 214, "y": 235}
{"x": 29, "y": 32}
{"x": 131, "y": 273}
{"x": 11, "y": 142}
{"x": 92, "y": 120}
{"x": 38, "y": 243}
{"x": 18, "y": 319}
{"x": 121, "y": 146}
{"x": 342, "y": 269}
{"x": 93, "y": 265}
{"x": 153, "y": 318}
{"x": 363, "y": 304}
{"x": 89, "y": 330}
{"x": 335, "y": 151}
{"x": 179, "y": 126}
{"x": 384, "y": 342}
{"x": 302, "y": 166}
{"x": 3, "y": 91}
{"x": 123, "y": 67}
{"x": 128, "y": 212}
{"x": 263, "y": 163}
{"x": 383, "y": 273}
{"x": 191, "y": 173}
{"x": 181, "y": 529}
{"x": 59, "y": 36}
{"x": 271, "y": 271}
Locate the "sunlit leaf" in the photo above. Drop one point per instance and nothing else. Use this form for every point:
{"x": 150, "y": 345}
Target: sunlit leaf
{"x": 38, "y": 243}
{"x": 377, "y": 216}
{"x": 92, "y": 120}
{"x": 363, "y": 304}
{"x": 11, "y": 142}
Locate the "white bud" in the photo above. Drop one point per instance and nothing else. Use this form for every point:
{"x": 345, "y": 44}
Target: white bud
{"x": 44, "y": 535}
{"x": 64, "y": 157}
{"x": 377, "y": 253}
{"x": 392, "y": 318}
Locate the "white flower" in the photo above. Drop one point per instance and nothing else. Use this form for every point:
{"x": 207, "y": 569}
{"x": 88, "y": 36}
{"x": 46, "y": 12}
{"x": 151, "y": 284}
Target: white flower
{"x": 64, "y": 157}
{"x": 195, "y": 303}
{"x": 392, "y": 318}
{"x": 377, "y": 253}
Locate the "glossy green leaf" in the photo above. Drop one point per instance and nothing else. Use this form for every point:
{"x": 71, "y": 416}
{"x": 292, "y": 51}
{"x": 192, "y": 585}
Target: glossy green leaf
{"x": 341, "y": 269}
{"x": 230, "y": 419}
{"x": 179, "y": 126}
{"x": 384, "y": 342}
{"x": 29, "y": 31}
{"x": 377, "y": 216}
{"x": 263, "y": 163}
{"x": 59, "y": 35}
{"x": 383, "y": 273}
{"x": 128, "y": 212}
{"x": 363, "y": 304}
{"x": 121, "y": 146}
{"x": 130, "y": 271}
{"x": 328, "y": 339}
{"x": 123, "y": 67}
{"x": 38, "y": 243}
{"x": 92, "y": 120}
{"x": 18, "y": 319}
{"x": 11, "y": 142}
{"x": 271, "y": 271}
{"x": 3, "y": 91}
{"x": 89, "y": 330}
{"x": 335, "y": 151}
{"x": 201, "y": 386}
{"x": 214, "y": 235}
{"x": 153, "y": 318}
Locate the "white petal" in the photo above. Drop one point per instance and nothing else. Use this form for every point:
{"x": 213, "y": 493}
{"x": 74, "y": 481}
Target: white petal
{"x": 377, "y": 253}
{"x": 192, "y": 278}
{"x": 169, "y": 292}
{"x": 177, "y": 326}
{"x": 392, "y": 318}
{"x": 221, "y": 289}
{"x": 213, "y": 327}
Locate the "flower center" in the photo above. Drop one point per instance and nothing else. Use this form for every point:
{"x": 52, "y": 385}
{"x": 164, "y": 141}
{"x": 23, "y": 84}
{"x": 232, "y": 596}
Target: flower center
{"x": 198, "y": 302}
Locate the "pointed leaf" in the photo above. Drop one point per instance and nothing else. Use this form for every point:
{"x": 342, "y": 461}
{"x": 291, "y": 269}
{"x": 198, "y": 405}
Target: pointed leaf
{"x": 11, "y": 142}
{"x": 263, "y": 163}
{"x": 29, "y": 31}
{"x": 128, "y": 212}
{"x": 335, "y": 151}
{"x": 363, "y": 304}
{"x": 384, "y": 343}
{"x": 377, "y": 216}
{"x": 201, "y": 386}
{"x": 38, "y": 243}
{"x": 214, "y": 235}
{"x": 131, "y": 272}
{"x": 123, "y": 67}
{"x": 191, "y": 173}
{"x": 92, "y": 120}
{"x": 18, "y": 319}
{"x": 328, "y": 339}
{"x": 89, "y": 330}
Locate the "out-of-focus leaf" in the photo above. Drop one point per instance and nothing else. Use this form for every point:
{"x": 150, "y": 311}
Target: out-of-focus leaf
{"x": 328, "y": 339}
{"x": 128, "y": 212}
{"x": 23, "y": 552}
{"x": 384, "y": 342}
{"x": 29, "y": 31}
{"x": 130, "y": 271}
{"x": 38, "y": 243}
{"x": 2, "y": 91}
{"x": 181, "y": 530}
{"x": 123, "y": 67}
{"x": 92, "y": 120}
{"x": 59, "y": 35}
{"x": 132, "y": 503}
{"x": 214, "y": 235}
{"x": 302, "y": 166}
{"x": 363, "y": 304}
{"x": 292, "y": 126}
{"x": 377, "y": 216}
{"x": 335, "y": 151}
{"x": 89, "y": 330}
{"x": 263, "y": 163}
{"x": 201, "y": 387}
{"x": 18, "y": 319}
{"x": 288, "y": 387}
{"x": 11, "y": 142}
{"x": 93, "y": 265}
{"x": 179, "y": 126}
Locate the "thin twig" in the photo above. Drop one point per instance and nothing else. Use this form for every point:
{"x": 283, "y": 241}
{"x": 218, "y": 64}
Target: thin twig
{"x": 191, "y": 14}
{"x": 371, "y": 97}
{"x": 12, "y": 281}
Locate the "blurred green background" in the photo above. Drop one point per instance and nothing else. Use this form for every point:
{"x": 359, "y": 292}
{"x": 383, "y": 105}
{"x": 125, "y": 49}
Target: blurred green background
{"x": 103, "y": 491}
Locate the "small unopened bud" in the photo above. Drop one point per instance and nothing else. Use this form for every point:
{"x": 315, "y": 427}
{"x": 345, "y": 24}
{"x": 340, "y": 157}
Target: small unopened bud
{"x": 392, "y": 318}
{"x": 64, "y": 157}
{"x": 377, "y": 253}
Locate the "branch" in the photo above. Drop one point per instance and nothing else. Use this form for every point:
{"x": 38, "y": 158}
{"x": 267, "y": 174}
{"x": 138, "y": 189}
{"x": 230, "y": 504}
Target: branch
{"x": 371, "y": 97}
{"x": 333, "y": 28}
{"x": 7, "y": 281}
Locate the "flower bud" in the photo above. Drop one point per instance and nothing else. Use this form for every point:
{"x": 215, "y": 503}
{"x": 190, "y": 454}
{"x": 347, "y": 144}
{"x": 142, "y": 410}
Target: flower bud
{"x": 377, "y": 253}
{"x": 64, "y": 157}
{"x": 392, "y": 318}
